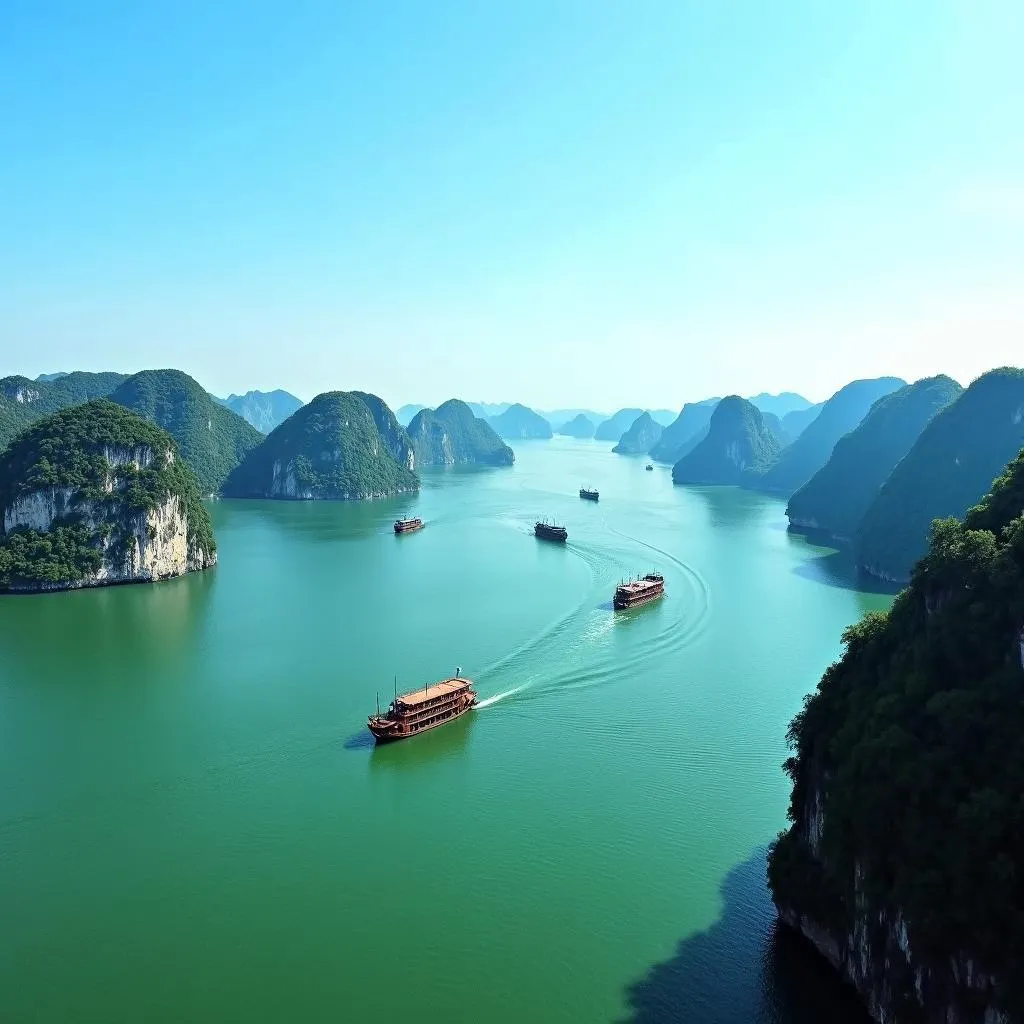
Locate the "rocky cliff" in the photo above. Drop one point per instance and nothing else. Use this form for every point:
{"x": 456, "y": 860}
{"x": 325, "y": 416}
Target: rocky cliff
{"x": 95, "y": 495}
{"x": 263, "y": 410}
{"x": 902, "y": 862}
{"x": 642, "y": 435}
{"x": 685, "y": 432}
{"x": 738, "y": 446}
{"x": 343, "y": 445}
{"x": 451, "y": 435}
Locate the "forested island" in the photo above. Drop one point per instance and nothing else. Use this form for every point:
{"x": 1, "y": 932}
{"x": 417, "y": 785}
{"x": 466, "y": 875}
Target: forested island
{"x": 685, "y": 432}
{"x": 902, "y": 860}
{"x": 451, "y": 435}
{"x": 836, "y": 498}
{"x": 579, "y": 426}
{"x": 615, "y": 426}
{"x": 343, "y": 445}
{"x": 738, "y": 447}
{"x": 642, "y": 435}
{"x": 95, "y": 495}
{"x": 520, "y": 422}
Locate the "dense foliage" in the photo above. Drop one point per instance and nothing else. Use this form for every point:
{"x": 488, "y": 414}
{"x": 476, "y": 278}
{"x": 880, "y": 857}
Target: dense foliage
{"x": 23, "y": 401}
{"x": 836, "y": 498}
{"x": 68, "y": 450}
{"x": 615, "y": 426}
{"x": 642, "y": 435}
{"x": 263, "y": 410}
{"x": 518, "y": 421}
{"x": 912, "y": 742}
{"x": 685, "y": 432}
{"x": 812, "y": 448}
{"x": 331, "y": 448}
{"x": 738, "y": 447}
{"x": 579, "y": 426}
{"x": 212, "y": 439}
{"x": 948, "y": 468}
{"x": 451, "y": 435}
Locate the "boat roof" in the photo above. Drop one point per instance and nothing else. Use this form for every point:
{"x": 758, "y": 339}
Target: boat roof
{"x": 637, "y": 585}
{"x": 434, "y": 690}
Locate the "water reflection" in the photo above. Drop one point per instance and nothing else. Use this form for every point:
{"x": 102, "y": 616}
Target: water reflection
{"x": 450, "y": 740}
{"x": 709, "y": 980}
{"x": 733, "y": 507}
{"x": 315, "y": 520}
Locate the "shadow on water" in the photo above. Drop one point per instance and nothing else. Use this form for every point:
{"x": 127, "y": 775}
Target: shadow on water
{"x": 745, "y": 968}
{"x": 732, "y": 507}
{"x": 412, "y": 753}
{"x": 838, "y": 569}
{"x": 318, "y": 520}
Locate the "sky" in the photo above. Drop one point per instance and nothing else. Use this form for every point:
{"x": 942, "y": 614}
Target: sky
{"x": 558, "y": 202}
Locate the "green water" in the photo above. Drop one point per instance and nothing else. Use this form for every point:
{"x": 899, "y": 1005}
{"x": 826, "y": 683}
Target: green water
{"x": 193, "y": 825}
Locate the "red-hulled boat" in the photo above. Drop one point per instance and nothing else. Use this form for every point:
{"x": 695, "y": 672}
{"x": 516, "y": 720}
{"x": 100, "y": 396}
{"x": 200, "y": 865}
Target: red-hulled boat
{"x": 639, "y": 591}
{"x": 408, "y": 525}
{"x": 416, "y": 712}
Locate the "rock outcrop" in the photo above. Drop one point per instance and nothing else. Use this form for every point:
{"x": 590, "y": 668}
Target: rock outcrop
{"x": 615, "y": 426}
{"x": 451, "y": 435}
{"x": 343, "y": 445}
{"x": 520, "y": 422}
{"x": 738, "y": 447}
{"x": 579, "y": 426}
{"x": 95, "y": 495}
{"x": 685, "y": 432}
{"x": 642, "y": 435}
{"x": 263, "y": 410}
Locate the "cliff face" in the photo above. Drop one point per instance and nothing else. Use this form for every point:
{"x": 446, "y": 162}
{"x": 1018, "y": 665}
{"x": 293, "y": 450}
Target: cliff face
{"x": 343, "y": 445}
{"x": 95, "y": 496}
{"x": 688, "y": 429}
{"x": 641, "y": 437}
{"x": 451, "y": 435}
{"x": 263, "y": 410}
{"x": 903, "y": 857}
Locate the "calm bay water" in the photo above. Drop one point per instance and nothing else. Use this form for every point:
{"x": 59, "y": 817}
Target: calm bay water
{"x": 194, "y": 826}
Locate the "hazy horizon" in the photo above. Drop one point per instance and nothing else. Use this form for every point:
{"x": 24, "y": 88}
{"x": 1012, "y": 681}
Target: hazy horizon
{"x": 633, "y": 206}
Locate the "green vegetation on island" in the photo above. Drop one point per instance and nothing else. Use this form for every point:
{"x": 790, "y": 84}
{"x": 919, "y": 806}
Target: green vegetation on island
{"x": 263, "y": 410}
{"x": 23, "y": 401}
{"x": 451, "y": 435}
{"x": 213, "y": 440}
{"x": 836, "y": 498}
{"x": 907, "y": 833}
{"x": 330, "y": 449}
{"x": 76, "y": 490}
{"x": 812, "y": 448}
{"x": 615, "y": 426}
{"x": 737, "y": 448}
{"x": 520, "y": 422}
{"x": 685, "y": 432}
{"x": 641, "y": 437}
{"x": 947, "y": 470}
{"x": 579, "y": 426}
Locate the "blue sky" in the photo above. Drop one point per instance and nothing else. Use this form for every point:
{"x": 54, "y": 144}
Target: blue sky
{"x": 555, "y": 202}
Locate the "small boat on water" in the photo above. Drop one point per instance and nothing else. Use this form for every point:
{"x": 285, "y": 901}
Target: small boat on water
{"x": 408, "y": 525}
{"x": 589, "y": 494}
{"x": 639, "y": 591}
{"x": 548, "y": 531}
{"x": 649, "y": 467}
{"x": 416, "y": 712}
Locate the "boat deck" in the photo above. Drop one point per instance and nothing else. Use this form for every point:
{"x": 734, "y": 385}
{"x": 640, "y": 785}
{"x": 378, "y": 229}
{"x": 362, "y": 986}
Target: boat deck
{"x": 442, "y": 689}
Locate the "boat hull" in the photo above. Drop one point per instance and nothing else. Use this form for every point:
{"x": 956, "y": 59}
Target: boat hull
{"x": 394, "y": 732}
{"x": 408, "y": 527}
{"x": 621, "y": 604}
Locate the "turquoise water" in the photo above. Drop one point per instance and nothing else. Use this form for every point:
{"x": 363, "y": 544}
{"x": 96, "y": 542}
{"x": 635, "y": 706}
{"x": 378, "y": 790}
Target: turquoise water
{"x": 195, "y": 826}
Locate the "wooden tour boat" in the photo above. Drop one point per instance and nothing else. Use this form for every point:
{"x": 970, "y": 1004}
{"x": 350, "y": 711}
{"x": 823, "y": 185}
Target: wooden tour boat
{"x": 408, "y": 525}
{"x": 548, "y": 531}
{"x": 416, "y": 712}
{"x": 639, "y": 591}
{"x": 589, "y": 494}
{"x": 649, "y": 467}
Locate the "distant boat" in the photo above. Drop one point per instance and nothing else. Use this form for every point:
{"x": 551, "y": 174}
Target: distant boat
{"x": 548, "y": 531}
{"x": 649, "y": 467}
{"x": 640, "y": 591}
{"x": 416, "y": 712}
{"x": 588, "y": 494}
{"x": 408, "y": 525}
